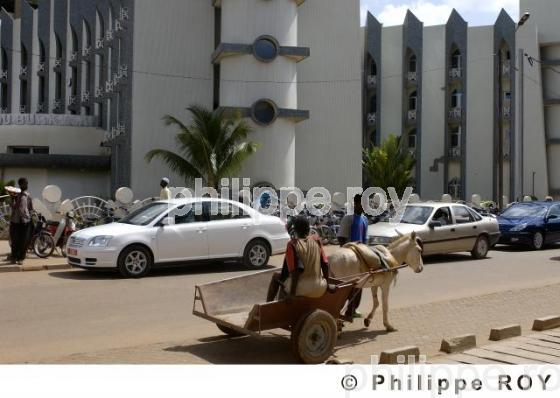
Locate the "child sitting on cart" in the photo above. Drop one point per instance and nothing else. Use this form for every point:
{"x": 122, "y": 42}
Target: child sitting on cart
{"x": 305, "y": 270}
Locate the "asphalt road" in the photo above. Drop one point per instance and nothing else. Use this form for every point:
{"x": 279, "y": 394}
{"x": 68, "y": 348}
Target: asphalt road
{"x": 49, "y": 315}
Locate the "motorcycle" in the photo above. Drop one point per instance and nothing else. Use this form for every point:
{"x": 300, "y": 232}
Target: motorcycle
{"x": 59, "y": 233}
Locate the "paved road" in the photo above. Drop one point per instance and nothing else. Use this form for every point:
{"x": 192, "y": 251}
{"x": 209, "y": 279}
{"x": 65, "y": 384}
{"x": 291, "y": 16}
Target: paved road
{"x": 45, "y": 316}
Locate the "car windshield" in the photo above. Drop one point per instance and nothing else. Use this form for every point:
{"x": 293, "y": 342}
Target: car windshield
{"x": 145, "y": 215}
{"x": 417, "y": 215}
{"x": 527, "y": 210}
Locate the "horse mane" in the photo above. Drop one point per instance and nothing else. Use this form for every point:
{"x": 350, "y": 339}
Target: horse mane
{"x": 397, "y": 242}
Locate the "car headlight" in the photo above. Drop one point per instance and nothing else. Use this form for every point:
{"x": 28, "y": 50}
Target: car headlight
{"x": 519, "y": 228}
{"x": 100, "y": 241}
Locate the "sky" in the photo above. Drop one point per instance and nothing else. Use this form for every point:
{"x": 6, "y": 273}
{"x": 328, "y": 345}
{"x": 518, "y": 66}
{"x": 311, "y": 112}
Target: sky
{"x": 436, "y": 12}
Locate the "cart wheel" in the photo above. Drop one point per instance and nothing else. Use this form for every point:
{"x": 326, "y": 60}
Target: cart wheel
{"x": 314, "y": 337}
{"x": 229, "y": 331}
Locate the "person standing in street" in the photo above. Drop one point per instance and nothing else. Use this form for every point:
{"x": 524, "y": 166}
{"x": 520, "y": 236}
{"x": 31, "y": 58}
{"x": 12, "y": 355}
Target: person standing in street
{"x": 353, "y": 229}
{"x": 165, "y": 193}
{"x": 20, "y": 222}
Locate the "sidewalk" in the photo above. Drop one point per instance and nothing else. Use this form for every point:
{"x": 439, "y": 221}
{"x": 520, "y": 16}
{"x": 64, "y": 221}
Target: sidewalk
{"x": 32, "y": 263}
{"x": 423, "y": 326}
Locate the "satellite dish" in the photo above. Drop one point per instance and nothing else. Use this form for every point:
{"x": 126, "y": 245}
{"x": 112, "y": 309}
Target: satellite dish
{"x": 52, "y": 194}
{"x": 446, "y": 198}
{"x": 339, "y": 199}
{"x": 124, "y": 195}
{"x": 476, "y": 200}
{"x": 414, "y": 198}
{"x": 66, "y": 206}
{"x": 40, "y": 208}
{"x": 527, "y": 199}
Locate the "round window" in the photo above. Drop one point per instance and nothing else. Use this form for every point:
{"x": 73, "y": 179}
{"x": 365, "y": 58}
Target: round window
{"x": 265, "y": 49}
{"x": 264, "y": 112}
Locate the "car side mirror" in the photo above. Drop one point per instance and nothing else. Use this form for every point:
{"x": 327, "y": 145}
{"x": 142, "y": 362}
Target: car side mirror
{"x": 166, "y": 221}
{"x": 552, "y": 217}
{"x": 435, "y": 224}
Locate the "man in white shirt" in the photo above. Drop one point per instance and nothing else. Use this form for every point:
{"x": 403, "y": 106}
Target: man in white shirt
{"x": 165, "y": 193}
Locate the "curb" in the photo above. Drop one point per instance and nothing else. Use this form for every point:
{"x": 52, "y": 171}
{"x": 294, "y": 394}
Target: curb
{"x": 33, "y": 268}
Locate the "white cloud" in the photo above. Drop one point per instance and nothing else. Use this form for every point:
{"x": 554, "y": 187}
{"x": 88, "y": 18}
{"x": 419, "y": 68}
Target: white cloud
{"x": 427, "y": 12}
{"x": 434, "y": 12}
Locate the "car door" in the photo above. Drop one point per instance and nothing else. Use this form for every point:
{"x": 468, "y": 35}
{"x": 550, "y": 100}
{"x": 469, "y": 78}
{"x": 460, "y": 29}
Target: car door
{"x": 553, "y": 224}
{"x": 228, "y": 230}
{"x": 440, "y": 239}
{"x": 186, "y": 239}
{"x": 466, "y": 229}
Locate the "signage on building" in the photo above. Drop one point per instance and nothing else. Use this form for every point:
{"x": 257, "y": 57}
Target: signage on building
{"x": 39, "y": 119}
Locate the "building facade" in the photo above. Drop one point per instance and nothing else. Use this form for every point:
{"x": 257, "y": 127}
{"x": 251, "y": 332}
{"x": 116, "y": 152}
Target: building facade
{"x": 85, "y": 84}
{"x": 476, "y": 106}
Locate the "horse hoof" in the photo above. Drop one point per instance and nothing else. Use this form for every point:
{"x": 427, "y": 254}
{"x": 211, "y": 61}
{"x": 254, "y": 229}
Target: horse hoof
{"x": 367, "y": 322}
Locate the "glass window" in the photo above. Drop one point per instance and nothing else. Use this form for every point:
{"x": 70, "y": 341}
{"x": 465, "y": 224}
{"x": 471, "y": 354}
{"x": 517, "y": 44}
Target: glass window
{"x": 475, "y": 215}
{"x": 145, "y": 215}
{"x": 413, "y": 101}
{"x": 265, "y": 49}
{"x": 373, "y": 69}
{"x": 462, "y": 215}
{"x": 456, "y": 60}
{"x": 524, "y": 210}
{"x": 264, "y": 112}
{"x": 412, "y": 64}
{"x": 554, "y": 211}
{"x": 228, "y": 211}
{"x": 412, "y": 139}
{"x": 443, "y": 216}
{"x": 456, "y": 137}
{"x": 417, "y": 215}
{"x": 456, "y": 99}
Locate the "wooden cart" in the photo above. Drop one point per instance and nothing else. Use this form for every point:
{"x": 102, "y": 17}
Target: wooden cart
{"x": 313, "y": 323}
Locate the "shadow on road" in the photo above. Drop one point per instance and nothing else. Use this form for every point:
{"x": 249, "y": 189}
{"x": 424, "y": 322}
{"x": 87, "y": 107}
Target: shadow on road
{"x": 268, "y": 349}
{"x": 521, "y": 248}
{"x": 175, "y": 270}
{"x": 265, "y": 350}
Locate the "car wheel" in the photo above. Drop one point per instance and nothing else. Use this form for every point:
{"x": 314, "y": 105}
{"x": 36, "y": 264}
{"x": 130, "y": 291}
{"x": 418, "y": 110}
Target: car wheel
{"x": 256, "y": 254}
{"x": 135, "y": 262}
{"x": 481, "y": 247}
{"x": 538, "y": 241}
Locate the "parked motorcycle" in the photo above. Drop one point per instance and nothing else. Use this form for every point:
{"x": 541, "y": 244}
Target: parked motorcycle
{"x": 59, "y": 233}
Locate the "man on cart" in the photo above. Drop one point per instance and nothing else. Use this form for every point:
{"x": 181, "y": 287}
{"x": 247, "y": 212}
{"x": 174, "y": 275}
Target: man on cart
{"x": 305, "y": 270}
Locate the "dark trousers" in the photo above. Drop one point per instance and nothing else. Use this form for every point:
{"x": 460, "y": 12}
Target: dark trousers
{"x": 275, "y": 289}
{"x": 19, "y": 235}
{"x": 354, "y": 303}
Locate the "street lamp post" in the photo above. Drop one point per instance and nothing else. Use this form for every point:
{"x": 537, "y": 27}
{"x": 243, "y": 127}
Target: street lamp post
{"x": 521, "y": 57}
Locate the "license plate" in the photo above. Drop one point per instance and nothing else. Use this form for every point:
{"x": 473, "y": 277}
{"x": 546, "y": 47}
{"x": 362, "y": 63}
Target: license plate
{"x": 72, "y": 252}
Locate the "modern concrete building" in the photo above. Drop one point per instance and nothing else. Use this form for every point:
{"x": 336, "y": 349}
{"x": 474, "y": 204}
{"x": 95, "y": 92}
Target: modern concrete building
{"x": 84, "y": 85}
{"x": 477, "y": 106}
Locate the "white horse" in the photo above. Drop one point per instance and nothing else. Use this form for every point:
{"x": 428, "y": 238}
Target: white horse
{"x": 346, "y": 263}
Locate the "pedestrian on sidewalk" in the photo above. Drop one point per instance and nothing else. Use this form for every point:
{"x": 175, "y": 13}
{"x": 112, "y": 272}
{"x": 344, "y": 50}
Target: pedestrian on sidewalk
{"x": 165, "y": 193}
{"x": 353, "y": 229}
{"x": 20, "y": 223}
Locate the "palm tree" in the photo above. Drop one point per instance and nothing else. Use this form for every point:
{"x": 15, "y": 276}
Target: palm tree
{"x": 389, "y": 165}
{"x": 213, "y": 147}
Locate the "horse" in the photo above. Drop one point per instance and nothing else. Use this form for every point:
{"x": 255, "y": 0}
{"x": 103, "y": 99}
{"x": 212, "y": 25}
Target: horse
{"x": 345, "y": 263}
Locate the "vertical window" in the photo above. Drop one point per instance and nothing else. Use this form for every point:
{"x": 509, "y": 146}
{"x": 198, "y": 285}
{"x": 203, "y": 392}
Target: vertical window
{"x": 413, "y": 101}
{"x": 373, "y": 69}
{"x": 412, "y": 139}
{"x": 456, "y": 60}
{"x": 412, "y": 63}
{"x": 455, "y": 141}
{"x": 456, "y": 99}
{"x": 373, "y": 104}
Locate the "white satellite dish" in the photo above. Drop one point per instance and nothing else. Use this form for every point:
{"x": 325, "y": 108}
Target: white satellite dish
{"x": 339, "y": 199}
{"x": 527, "y": 199}
{"x": 124, "y": 195}
{"x": 446, "y": 198}
{"x": 52, "y": 194}
{"x": 476, "y": 200}
{"x": 66, "y": 206}
{"x": 40, "y": 208}
{"x": 414, "y": 198}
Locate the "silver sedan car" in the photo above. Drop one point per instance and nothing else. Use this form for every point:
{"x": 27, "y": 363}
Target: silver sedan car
{"x": 442, "y": 228}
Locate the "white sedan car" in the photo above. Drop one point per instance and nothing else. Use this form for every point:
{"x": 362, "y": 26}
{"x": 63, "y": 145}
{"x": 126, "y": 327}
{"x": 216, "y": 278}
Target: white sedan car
{"x": 178, "y": 231}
